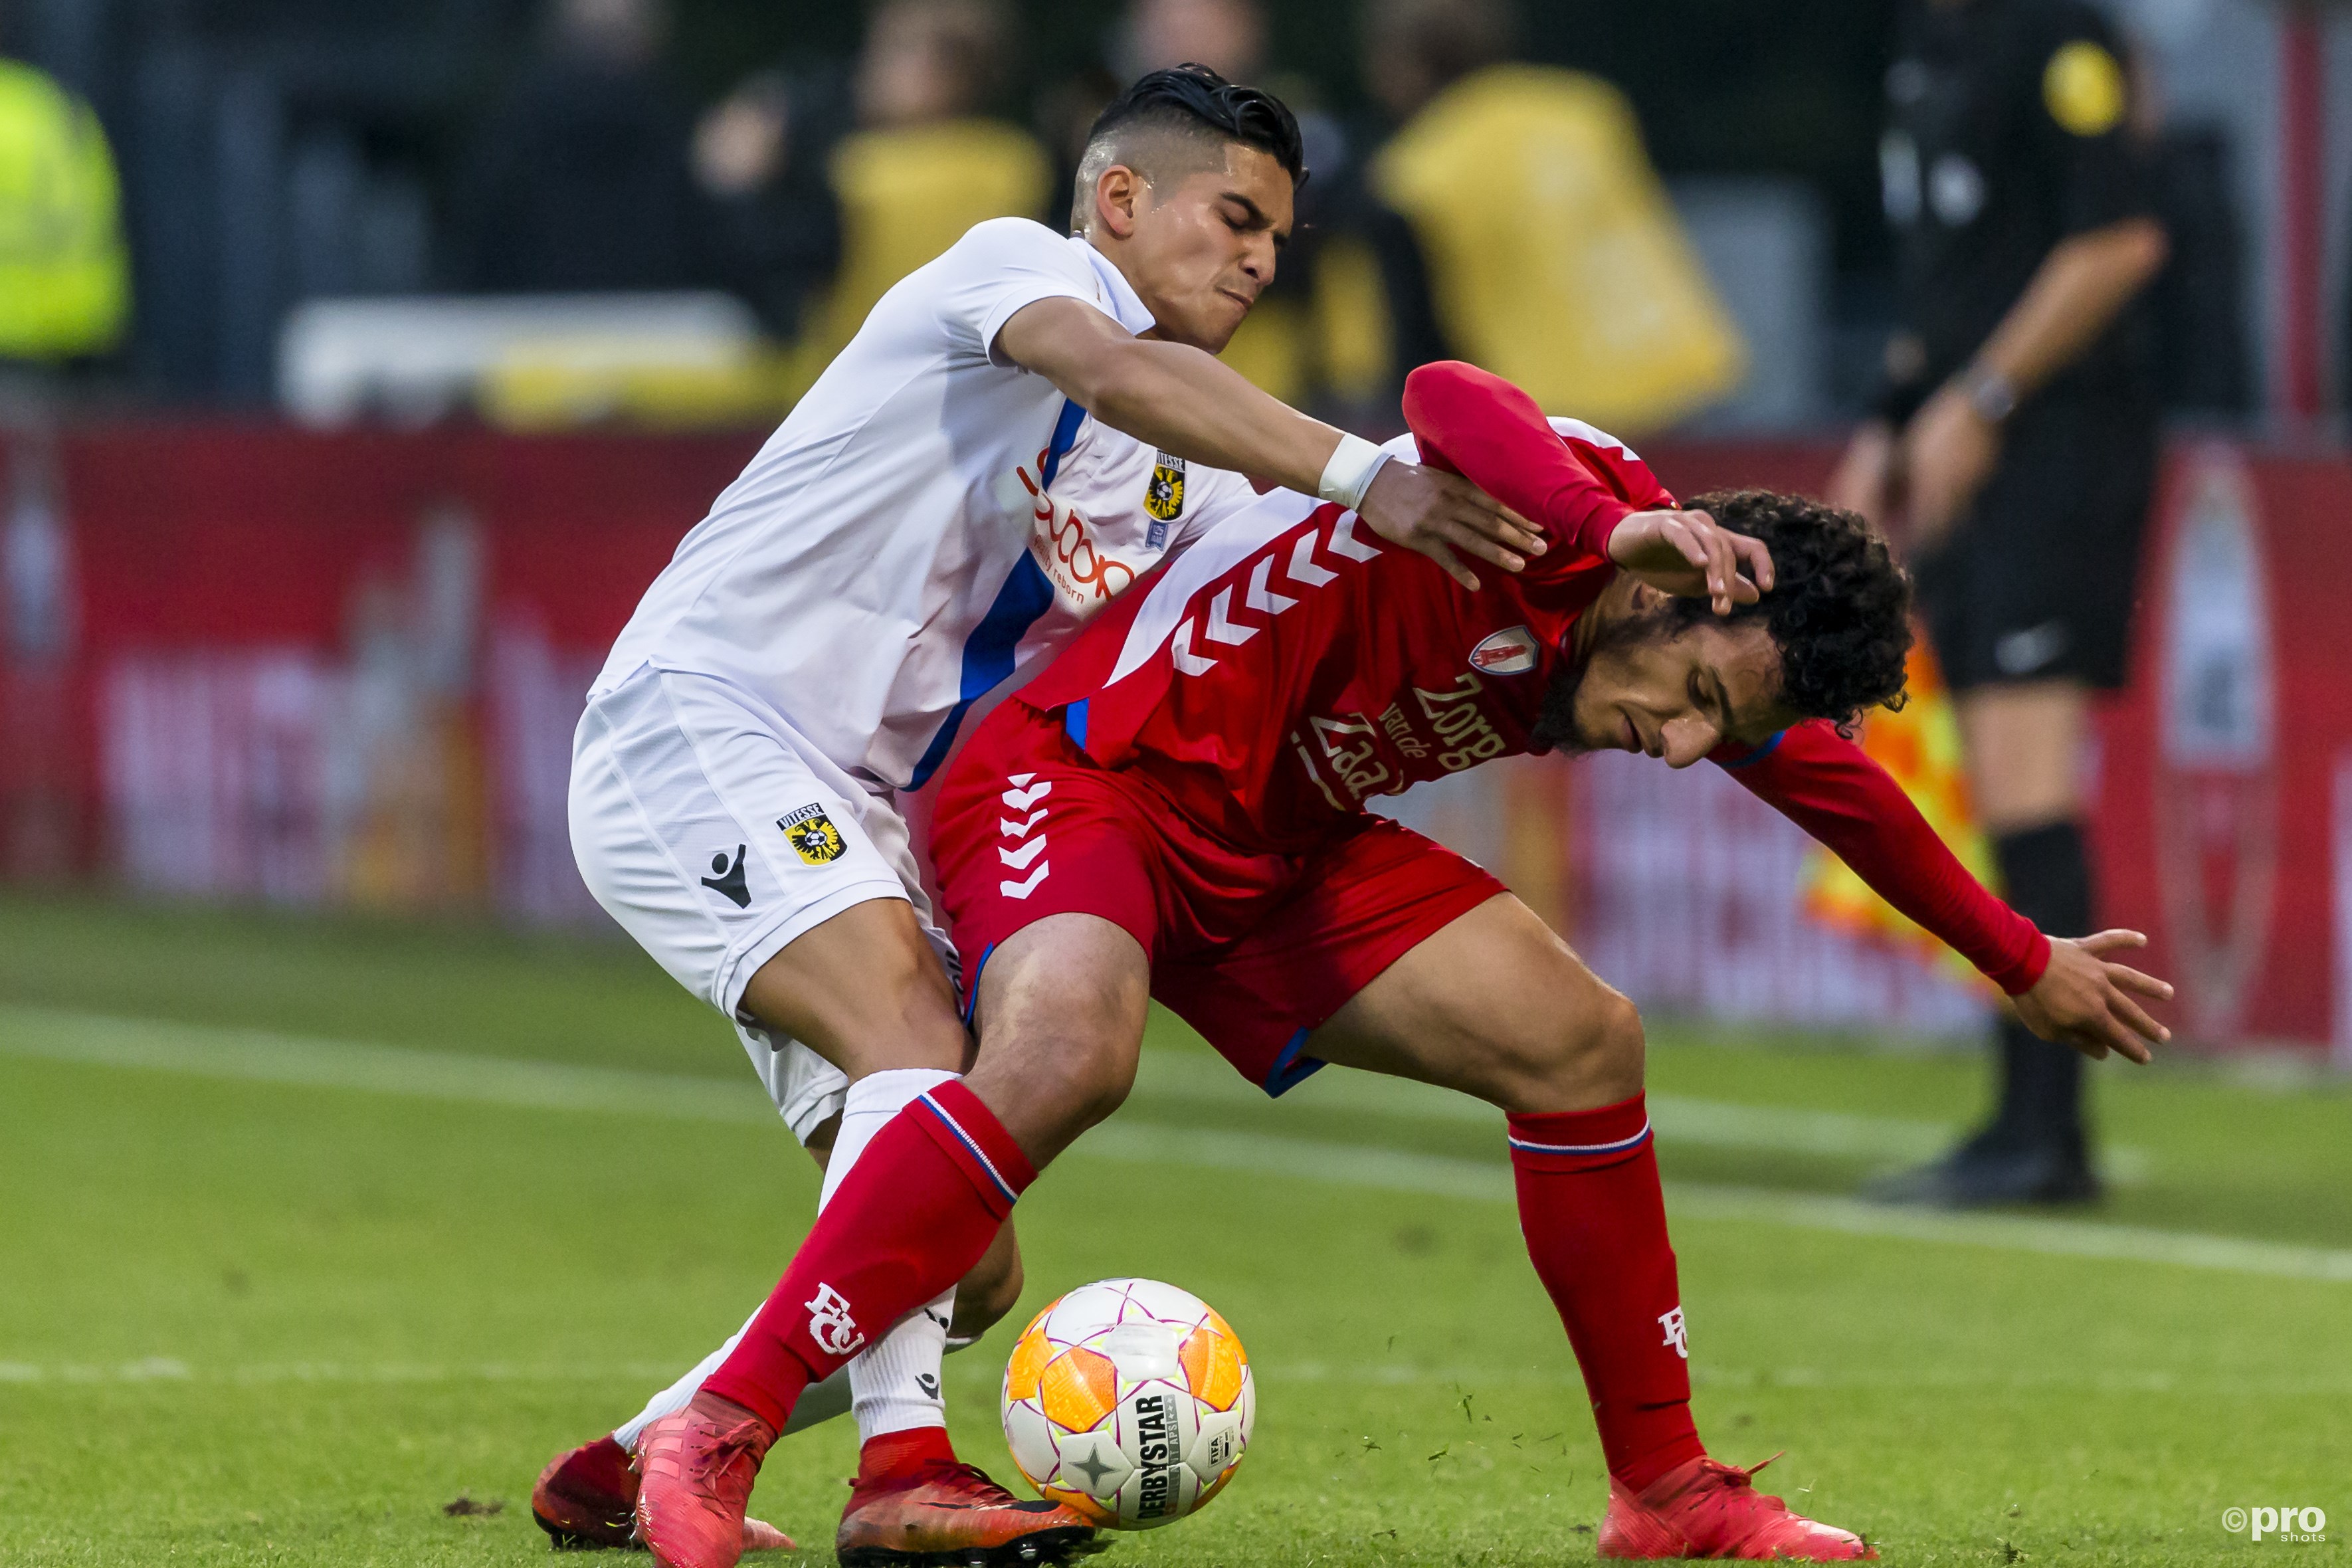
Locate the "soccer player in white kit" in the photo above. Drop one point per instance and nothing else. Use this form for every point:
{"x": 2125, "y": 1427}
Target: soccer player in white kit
{"x": 1019, "y": 430}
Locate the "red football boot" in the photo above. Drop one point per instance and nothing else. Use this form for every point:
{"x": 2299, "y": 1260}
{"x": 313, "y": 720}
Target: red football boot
{"x": 588, "y": 1498}
{"x": 695, "y": 1471}
{"x": 914, "y": 1503}
{"x": 1705, "y": 1509}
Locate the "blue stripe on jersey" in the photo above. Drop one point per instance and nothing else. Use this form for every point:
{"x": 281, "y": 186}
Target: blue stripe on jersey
{"x": 1756, "y": 756}
{"x": 1066, "y": 435}
{"x": 1027, "y": 594}
{"x": 1074, "y": 721}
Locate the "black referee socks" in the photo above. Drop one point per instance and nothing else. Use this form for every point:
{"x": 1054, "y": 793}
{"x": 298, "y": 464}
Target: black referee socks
{"x": 2046, "y": 876}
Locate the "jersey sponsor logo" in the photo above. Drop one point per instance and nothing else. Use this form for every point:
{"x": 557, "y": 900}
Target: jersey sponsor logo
{"x": 2083, "y": 88}
{"x": 1508, "y": 652}
{"x": 1461, "y": 723}
{"x": 1081, "y": 568}
{"x": 726, "y": 880}
{"x": 1163, "y": 496}
{"x": 1086, "y": 574}
{"x": 830, "y": 1324}
{"x": 812, "y": 836}
{"x": 1352, "y": 747}
{"x": 1399, "y": 731}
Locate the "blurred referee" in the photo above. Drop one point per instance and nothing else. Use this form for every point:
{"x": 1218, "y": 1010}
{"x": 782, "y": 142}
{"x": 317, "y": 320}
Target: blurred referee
{"x": 2012, "y": 455}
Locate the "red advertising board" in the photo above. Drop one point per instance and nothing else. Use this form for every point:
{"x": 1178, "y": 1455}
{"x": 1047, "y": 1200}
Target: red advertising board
{"x": 251, "y": 662}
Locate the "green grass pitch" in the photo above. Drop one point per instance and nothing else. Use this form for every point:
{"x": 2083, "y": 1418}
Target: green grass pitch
{"x": 310, "y": 1227}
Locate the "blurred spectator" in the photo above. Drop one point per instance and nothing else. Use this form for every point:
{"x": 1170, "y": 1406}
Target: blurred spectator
{"x": 579, "y": 181}
{"x": 925, "y": 164}
{"x": 1226, "y": 35}
{"x": 1552, "y": 256}
{"x": 763, "y": 157}
{"x": 65, "y": 288}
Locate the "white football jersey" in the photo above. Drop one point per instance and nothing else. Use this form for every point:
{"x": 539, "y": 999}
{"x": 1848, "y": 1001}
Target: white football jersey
{"x": 930, "y": 520}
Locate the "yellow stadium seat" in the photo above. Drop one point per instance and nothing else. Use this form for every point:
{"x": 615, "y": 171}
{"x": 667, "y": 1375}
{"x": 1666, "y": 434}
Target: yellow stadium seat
{"x": 909, "y": 193}
{"x": 1553, "y": 254}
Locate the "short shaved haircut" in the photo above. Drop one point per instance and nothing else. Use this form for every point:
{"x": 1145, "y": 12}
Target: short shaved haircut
{"x": 1178, "y": 122}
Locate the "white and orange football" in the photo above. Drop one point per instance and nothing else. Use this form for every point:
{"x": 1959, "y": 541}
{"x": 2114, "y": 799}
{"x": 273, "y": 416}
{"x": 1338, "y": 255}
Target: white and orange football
{"x": 1130, "y": 1401}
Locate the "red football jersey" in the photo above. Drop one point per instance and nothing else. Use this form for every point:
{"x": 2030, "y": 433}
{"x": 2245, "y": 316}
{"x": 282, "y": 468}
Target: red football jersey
{"x": 1290, "y": 666}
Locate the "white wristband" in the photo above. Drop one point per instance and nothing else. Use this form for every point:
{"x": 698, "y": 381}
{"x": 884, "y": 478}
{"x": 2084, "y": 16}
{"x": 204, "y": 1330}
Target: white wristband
{"x": 1349, "y": 472}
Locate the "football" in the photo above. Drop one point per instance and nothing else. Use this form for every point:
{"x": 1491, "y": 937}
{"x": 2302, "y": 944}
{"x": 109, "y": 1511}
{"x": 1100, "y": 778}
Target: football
{"x": 1130, "y": 1401}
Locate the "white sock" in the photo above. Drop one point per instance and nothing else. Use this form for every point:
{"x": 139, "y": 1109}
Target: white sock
{"x": 894, "y": 1383}
{"x": 898, "y": 1387}
{"x": 818, "y": 1402}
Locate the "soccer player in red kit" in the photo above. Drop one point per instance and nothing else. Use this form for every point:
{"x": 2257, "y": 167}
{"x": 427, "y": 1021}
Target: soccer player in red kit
{"x": 1176, "y": 808}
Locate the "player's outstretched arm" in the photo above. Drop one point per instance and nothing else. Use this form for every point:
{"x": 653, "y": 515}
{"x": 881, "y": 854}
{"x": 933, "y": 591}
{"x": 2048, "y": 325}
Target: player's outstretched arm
{"x": 2066, "y": 989}
{"x": 1189, "y": 402}
{"x": 2085, "y": 1000}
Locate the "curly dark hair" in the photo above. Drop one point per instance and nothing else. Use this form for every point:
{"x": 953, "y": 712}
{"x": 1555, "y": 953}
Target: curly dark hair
{"x": 1839, "y": 608}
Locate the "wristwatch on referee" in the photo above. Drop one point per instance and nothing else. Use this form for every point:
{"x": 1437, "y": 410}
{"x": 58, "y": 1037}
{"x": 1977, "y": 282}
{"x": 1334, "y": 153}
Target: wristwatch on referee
{"x": 1992, "y": 394}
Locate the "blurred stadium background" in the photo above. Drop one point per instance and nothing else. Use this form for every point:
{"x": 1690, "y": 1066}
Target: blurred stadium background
{"x": 357, "y": 393}
{"x": 361, "y": 362}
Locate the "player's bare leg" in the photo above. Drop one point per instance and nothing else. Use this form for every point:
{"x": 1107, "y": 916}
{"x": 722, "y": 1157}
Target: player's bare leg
{"x": 1495, "y": 1005}
{"x": 1061, "y": 1011}
{"x": 864, "y": 991}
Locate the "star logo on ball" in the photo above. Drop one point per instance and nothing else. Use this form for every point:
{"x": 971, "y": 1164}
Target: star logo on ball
{"x": 1093, "y": 1468}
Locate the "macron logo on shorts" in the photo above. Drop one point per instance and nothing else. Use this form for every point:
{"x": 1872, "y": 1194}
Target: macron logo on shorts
{"x": 1022, "y": 849}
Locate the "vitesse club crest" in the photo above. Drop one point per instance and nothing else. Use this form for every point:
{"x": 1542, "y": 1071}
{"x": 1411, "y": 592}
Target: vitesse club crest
{"x": 1164, "y": 498}
{"x": 814, "y": 836}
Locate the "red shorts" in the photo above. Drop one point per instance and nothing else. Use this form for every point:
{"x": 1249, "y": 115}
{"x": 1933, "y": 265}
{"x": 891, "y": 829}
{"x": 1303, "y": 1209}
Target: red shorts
{"x": 1253, "y": 950}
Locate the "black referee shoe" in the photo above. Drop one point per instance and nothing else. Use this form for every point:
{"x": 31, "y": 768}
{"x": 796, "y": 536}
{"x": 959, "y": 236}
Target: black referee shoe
{"x": 1976, "y": 1176}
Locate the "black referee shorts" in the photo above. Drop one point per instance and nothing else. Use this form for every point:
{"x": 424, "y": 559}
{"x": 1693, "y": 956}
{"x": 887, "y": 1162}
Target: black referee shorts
{"x": 2037, "y": 582}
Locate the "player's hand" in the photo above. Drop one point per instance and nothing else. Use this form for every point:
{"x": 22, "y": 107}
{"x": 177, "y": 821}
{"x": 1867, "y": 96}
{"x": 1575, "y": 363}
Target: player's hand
{"x": 1436, "y": 514}
{"x": 1692, "y": 556}
{"x": 1948, "y": 451}
{"x": 1865, "y": 479}
{"x": 2083, "y": 1001}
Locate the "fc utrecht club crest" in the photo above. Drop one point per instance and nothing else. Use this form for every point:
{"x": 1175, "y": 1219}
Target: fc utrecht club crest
{"x": 814, "y": 836}
{"x": 1510, "y": 652}
{"x": 1164, "y": 497}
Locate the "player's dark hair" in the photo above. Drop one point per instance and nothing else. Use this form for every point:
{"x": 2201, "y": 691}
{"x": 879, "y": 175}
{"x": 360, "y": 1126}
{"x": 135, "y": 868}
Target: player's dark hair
{"x": 1839, "y": 608}
{"x": 1193, "y": 100}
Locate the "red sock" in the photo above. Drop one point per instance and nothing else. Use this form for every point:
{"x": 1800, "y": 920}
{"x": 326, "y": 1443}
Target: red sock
{"x": 1595, "y": 1224}
{"x": 894, "y": 1453}
{"x": 910, "y": 1219}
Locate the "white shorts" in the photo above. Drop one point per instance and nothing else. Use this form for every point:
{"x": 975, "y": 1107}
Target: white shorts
{"x": 715, "y": 834}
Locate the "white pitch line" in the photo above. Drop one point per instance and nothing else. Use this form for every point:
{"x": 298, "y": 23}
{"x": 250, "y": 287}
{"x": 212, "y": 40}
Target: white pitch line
{"x": 1682, "y": 1120}
{"x": 1440, "y": 1175}
{"x": 259, "y": 1057}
